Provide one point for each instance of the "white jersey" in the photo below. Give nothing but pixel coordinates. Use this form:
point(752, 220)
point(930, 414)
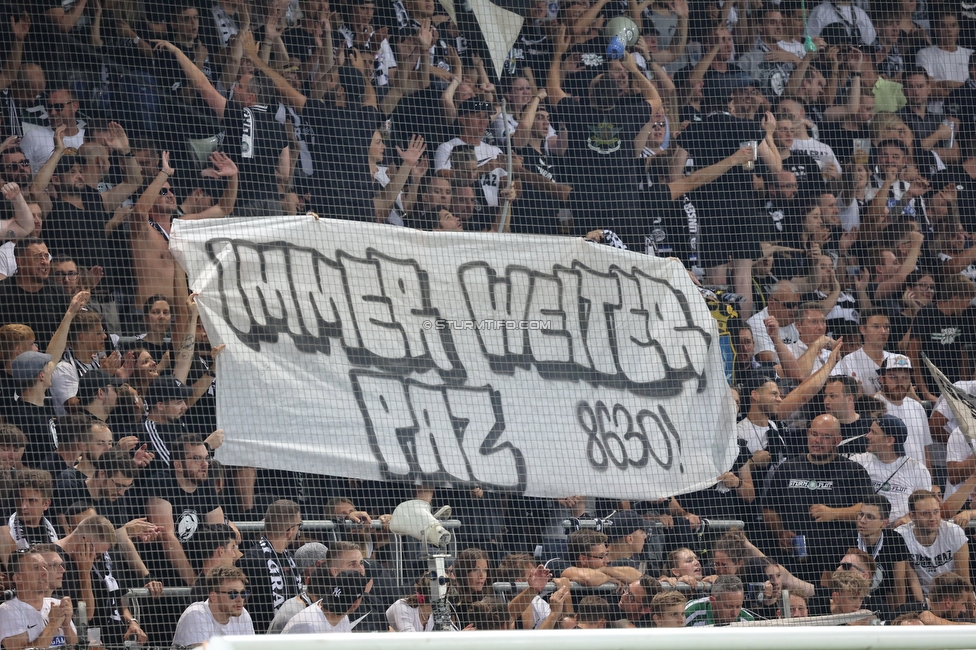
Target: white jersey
point(958, 449)
point(942, 406)
point(817, 150)
point(895, 481)
point(787, 333)
point(17, 617)
point(197, 625)
point(860, 366)
point(930, 561)
point(913, 415)
point(799, 348)
point(312, 620)
point(492, 174)
point(404, 618)
point(828, 13)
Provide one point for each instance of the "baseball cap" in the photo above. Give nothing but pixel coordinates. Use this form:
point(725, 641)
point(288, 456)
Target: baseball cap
point(167, 388)
point(27, 365)
point(894, 427)
point(343, 591)
point(93, 381)
point(895, 362)
point(622, 523)
point(473, 105)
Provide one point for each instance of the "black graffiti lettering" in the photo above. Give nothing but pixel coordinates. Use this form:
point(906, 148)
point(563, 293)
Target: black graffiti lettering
point(620, 329)
point(271, 303)
point(437, 434)
point(604, 444)
point(667, 430)
point(406, 280)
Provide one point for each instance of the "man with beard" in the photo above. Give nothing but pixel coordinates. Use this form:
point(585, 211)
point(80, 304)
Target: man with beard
point(114, 474)
point(270, 566)
point(896, 382)
point(935, 546)
point(818, 496)
point(221, 614)
point(39, 143)
point(894, 474)
point(166, 399)
point(179, 499)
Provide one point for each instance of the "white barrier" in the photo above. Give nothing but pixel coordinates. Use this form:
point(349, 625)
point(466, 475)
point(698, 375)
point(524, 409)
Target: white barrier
point(861, 638)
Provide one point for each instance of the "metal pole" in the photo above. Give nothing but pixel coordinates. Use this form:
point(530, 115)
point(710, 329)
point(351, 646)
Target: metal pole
point(503, 221)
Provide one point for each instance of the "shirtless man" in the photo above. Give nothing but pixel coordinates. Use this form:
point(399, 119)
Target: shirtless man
point(151, 220)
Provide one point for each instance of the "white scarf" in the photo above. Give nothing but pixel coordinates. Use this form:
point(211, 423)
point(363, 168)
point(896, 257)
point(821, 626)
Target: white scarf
point(19, 533)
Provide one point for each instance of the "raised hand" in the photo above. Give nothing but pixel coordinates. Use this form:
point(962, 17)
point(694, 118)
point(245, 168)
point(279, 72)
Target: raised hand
point(10, 143)
point(425, 35)
point(20, 28)
point(223, 166)
point(59, 139)
point(165, 166)
point(215, 439)
point(414, 151)
point(11, 191)
point(78, 301)
point(118, 140)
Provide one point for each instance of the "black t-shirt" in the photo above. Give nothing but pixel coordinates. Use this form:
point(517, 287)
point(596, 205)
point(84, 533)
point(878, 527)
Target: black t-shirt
point(70, 488)
point(808, 176)
point(942, 339)
point(890, 550)
point(600, 163)
point(672, 228)
point(841, 140)
point(856, 433)
point(37, 423)
point(254, 141)
point(190, 509)
point(717, 137)
point(535, 212)
point(339, 143)
point(80, 234)
point(42, 311)
point(262, 569)
point(798, 484)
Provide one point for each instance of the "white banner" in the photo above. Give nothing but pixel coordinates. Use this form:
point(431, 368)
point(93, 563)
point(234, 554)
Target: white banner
point(546, 366)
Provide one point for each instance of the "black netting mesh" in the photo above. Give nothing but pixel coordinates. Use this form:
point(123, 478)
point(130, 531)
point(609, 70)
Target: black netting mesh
point(261, 186)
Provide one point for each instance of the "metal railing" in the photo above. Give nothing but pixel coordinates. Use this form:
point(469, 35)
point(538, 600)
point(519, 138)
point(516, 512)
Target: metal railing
point(713, 524)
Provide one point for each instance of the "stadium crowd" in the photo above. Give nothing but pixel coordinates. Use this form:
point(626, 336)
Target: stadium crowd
point(814, 170)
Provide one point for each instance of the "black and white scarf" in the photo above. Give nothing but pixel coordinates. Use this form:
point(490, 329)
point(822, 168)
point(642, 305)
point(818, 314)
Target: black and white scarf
point(279, 593)
point(19, 532)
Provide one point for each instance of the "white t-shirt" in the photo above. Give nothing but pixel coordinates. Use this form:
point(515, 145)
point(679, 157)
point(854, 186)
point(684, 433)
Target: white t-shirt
point(860, 366)
point(197, 625)
point(756, 437)
point(913, 415)
point(828, 13)
point(930, 561)
point(285, 613)
point(799, 349)
point(958, 449)
point(17, 617)
point(787, 333)
point(8, 265)
point(404, 618)
point(945, 66)
point(895, 481)
point(491, 175)
point(942, 406)
point(311, 620)
point(38, 145)
point(817, 150)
